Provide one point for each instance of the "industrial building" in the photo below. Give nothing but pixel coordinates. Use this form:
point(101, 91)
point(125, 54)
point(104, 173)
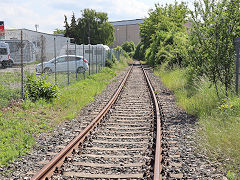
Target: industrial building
point(126, 30)
point(40, 45)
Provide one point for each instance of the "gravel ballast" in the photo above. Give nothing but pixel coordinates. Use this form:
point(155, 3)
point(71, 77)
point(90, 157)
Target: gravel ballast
point(180, 158)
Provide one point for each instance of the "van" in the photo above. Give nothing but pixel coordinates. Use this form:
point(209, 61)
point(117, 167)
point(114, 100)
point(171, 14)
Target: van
point(5, 59)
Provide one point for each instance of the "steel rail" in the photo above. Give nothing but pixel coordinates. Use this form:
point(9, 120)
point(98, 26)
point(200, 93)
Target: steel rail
point(57, 161)
point(158, 148)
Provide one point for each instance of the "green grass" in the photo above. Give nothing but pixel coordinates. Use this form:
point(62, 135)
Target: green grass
point(10, 82)
point(9, 87)
point(218, 132)
point(22, 122)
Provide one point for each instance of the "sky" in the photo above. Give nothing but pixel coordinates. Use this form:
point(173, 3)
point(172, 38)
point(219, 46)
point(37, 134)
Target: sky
point(49, 14)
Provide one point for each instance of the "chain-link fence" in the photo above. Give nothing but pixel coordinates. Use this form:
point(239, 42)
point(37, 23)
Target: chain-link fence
point(68, 63)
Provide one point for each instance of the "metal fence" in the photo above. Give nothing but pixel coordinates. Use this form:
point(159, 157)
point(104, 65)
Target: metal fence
point(63, 69)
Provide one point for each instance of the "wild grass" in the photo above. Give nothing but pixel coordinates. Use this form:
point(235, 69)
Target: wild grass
point(218, 133)
point(21, 122)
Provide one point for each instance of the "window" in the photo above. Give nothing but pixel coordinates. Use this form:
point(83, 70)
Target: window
point(71, 58)
point(61, 59)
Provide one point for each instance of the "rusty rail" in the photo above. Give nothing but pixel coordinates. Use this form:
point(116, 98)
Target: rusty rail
point(49, 168)
point(158, 148)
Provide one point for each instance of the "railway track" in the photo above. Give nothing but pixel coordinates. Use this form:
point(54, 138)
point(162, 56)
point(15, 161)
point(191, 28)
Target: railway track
point(123, 141)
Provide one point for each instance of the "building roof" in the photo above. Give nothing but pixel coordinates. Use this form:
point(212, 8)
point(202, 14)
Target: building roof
point(24, 29)
point(127, 22)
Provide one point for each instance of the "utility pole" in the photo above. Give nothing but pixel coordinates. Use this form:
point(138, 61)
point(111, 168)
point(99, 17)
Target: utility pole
point(36, 26)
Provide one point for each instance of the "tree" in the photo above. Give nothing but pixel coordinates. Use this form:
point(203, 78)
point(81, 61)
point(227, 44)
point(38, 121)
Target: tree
point(215, 26)
point(163, 34)
point(59, 31)
point(92, 27)
point(67, 33)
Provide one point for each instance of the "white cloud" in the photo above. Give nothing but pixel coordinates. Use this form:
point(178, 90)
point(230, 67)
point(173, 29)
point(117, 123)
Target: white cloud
point(130, 8)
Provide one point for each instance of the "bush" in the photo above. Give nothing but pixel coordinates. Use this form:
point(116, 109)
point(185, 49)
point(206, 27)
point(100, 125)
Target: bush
point(37, 88)
point(128, 46)
point(139, 52)
point(109, 63)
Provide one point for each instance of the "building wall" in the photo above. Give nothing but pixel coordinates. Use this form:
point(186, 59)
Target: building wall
point(126, 31)
point(43, 42)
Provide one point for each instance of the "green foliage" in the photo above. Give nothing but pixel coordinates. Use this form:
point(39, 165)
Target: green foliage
point(37, 88)
point(215, 25)
point(8, 91)
point(59, 31)
point(119, 49)
point(231, 175)
point(15, 137)
point(164, 36)
point(109, 63)
point(139, 52)
point(219, 120)
point(129, 47)
point(92, 24)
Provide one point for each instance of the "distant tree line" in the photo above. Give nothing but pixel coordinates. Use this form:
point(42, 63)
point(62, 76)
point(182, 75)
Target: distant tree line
point(92, 27)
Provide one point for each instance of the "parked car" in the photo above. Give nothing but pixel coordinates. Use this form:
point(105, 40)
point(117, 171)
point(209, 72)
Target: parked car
point(5, 59)
point(64, 63)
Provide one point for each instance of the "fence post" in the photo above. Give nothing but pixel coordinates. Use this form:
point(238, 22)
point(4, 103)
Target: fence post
point(103, 56)
point(92, 58)
point(83, 58)
point(111, 54)
point(42, 51)
point(67, 63)
point(89, 59)
point(21, 64)
point(96, 59)
point(55, 61)
point(76, 58)
point(237, 50)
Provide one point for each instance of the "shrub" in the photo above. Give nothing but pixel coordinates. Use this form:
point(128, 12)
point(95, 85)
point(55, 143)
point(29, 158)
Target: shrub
point(109, 63)
point(37, 88)
point(129, 47)
point(139, 52)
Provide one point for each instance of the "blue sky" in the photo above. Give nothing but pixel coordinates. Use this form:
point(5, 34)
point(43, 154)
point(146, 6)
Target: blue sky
point(49, 14)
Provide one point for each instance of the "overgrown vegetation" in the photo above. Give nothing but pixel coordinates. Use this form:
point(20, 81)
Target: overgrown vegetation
point(129, 48)
point(212, 53)
point(197, 63)
point(22, 121)
point(218, 133)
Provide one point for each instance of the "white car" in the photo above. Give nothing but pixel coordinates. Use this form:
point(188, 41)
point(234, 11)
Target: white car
point(5, 59)
point(64, 63)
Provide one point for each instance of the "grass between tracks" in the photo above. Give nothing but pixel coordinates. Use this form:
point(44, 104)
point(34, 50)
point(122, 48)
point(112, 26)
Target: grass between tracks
point(21, 122)
point(218, 132)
